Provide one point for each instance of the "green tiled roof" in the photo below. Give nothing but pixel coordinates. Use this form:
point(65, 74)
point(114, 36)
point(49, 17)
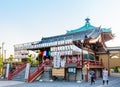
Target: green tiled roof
point(106, 30)
point(81, 33)
point(87, 26)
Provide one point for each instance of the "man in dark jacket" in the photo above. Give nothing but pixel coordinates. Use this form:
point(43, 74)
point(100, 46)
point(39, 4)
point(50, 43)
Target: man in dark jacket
point(92, 75)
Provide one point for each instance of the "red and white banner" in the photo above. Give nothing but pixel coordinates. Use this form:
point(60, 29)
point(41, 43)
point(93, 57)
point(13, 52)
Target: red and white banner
point(56, 61)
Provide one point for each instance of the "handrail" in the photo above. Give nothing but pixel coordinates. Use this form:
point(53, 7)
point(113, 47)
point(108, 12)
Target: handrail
point(33, 75)
point(16, 71)
point(98, 63)
point(79, 63)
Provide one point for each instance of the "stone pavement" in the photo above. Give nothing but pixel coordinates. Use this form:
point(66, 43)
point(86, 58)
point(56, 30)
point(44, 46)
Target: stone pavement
point(113, 82)
point(9, 83)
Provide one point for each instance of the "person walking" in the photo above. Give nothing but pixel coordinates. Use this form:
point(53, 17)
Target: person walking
point(92, 75)
point(105, 76)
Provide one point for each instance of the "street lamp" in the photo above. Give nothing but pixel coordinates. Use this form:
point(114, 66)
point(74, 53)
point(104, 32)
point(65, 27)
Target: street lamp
point(5, 55)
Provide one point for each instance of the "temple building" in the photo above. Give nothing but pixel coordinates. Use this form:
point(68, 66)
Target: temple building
point(70, 56)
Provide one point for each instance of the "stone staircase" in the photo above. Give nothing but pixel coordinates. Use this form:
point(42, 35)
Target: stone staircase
point(46, 75)
point(21, 75)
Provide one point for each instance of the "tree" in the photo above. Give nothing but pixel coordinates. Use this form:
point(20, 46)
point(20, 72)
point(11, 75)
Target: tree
point(116, 69)
point(10, 60)
point(1, 64)
point(39, 58)
point(30, 59)
point(1, 61)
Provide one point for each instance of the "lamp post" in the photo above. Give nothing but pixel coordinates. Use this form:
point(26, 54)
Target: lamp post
point(5, 55)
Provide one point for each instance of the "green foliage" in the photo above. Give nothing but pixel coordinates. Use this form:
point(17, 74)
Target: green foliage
point(1, 63)
point(116, 69)
point(35, 63)
point(10, 59)
point(39, 58)
point(32, 61)
point(29, 60)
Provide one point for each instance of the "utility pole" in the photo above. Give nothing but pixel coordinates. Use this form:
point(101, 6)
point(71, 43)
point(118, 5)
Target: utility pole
point(5, 55)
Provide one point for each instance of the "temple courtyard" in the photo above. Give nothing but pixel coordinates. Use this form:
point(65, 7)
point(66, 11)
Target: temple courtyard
point(114, 81)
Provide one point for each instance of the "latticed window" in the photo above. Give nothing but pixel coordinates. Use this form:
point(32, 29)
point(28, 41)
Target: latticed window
point(88, 56)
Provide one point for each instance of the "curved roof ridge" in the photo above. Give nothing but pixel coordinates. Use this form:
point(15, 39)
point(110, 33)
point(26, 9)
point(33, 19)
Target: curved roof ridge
point(87, 26)
point(106, 30)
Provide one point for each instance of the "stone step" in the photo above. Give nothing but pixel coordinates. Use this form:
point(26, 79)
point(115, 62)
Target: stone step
point(46, 76)
point(21, 75)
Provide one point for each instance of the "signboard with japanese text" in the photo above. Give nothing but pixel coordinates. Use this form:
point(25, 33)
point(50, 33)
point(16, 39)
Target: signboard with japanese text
point(58, 72)
point(72, 70)
point(56, 61)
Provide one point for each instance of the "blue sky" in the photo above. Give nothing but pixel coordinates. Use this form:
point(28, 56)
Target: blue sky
point(24, 21)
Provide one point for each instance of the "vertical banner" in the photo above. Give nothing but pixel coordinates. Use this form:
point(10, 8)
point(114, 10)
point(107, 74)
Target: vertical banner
point(27, 70)
point(7, 70)
point(56, 61)
point(63, 61)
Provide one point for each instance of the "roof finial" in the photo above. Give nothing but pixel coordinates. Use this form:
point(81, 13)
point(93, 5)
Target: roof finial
point(87, 20)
